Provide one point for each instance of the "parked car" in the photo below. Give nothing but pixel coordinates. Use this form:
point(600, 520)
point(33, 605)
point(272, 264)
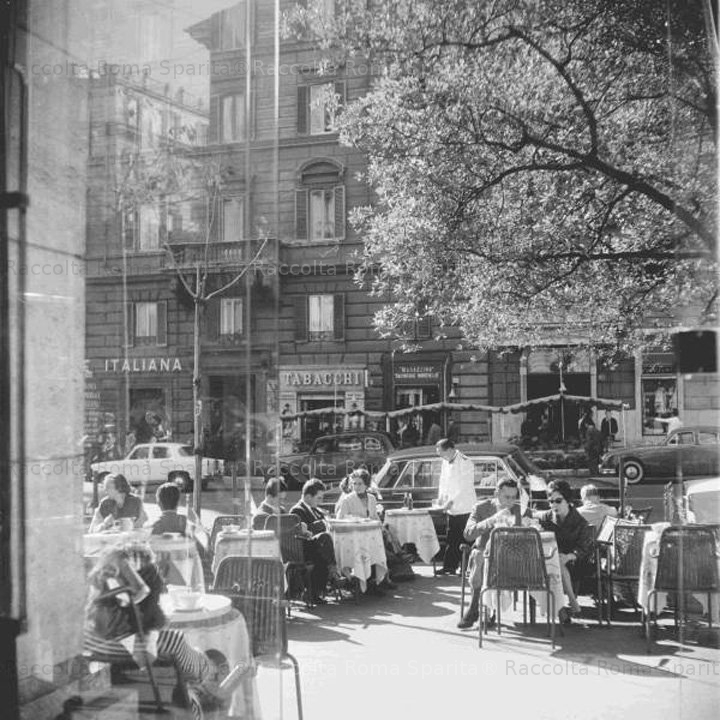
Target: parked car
point(686, 452)
point(332, 457)
point(702, 500)
point(155, 463)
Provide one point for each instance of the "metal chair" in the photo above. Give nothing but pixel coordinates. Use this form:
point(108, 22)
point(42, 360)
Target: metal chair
point(687, 563)
point(625, 558)
point(292, 552)
point(256, 588)
point(515, 562)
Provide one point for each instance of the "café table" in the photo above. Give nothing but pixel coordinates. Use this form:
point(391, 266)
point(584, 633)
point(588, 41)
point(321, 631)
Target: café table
point(416, 527)
point(358, 546)
point(552, 567)
point(216, 625)
point(95, 543)
point(262, 543)
point(648, 571)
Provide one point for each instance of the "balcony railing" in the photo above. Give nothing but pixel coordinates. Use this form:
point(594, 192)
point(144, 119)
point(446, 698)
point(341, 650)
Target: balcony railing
point(214, 254)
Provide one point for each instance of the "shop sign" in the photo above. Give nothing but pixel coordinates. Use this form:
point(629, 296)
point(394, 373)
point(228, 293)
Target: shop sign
point(658, 364)
point(328, 378)
point(417, 373)
point(118, 365)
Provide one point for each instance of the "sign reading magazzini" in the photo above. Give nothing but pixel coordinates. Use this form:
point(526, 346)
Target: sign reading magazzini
point(417, 373)
point(118, 365)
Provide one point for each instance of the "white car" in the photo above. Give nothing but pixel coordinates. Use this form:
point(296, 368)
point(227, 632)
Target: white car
point(159, 462)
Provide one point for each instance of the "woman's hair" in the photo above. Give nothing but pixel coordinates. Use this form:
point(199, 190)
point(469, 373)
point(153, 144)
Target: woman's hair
point(120, 482)
point(562, 487)
point(361, 474)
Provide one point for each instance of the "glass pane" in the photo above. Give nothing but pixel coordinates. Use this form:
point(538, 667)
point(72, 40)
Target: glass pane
point(707, 438)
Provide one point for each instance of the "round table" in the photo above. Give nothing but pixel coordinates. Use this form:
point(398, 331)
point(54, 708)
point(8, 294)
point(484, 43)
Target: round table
point(358, 546)
point(216, 625)
point(264, 543)
point(416, 527)
point(178, 560)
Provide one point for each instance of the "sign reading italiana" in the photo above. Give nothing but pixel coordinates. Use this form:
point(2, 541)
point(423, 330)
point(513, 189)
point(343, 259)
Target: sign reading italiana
point(119, 365)
point(323, 378)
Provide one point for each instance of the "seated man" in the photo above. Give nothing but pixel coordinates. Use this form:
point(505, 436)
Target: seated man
point(167, 497)
point(574, 539)
point(592, 509)
point(319, 546)
point(275, 494)
point(504, 510)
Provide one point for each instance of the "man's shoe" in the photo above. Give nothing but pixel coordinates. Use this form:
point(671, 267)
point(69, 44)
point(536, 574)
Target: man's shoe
point(446, 571)
point(468, 620)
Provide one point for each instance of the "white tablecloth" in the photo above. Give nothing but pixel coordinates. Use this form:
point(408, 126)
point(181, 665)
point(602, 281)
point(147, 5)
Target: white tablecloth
point(552, 566)
point(416, 527)
point(264, 544)
point(217, 626)
point(648, 571)
point(359, 546)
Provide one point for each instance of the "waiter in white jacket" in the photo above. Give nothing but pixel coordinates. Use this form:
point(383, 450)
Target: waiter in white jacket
point(456, 495)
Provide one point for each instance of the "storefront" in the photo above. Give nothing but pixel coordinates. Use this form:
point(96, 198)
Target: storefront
point(304, 387)
point(659, 394)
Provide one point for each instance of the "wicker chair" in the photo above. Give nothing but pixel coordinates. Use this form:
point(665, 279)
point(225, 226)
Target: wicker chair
point(687, 563)
point(515, 562)
point(623, 571)
point(292, 551)
point(255, 587)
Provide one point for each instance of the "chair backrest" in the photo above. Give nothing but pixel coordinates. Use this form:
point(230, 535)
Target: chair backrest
point(628, 539)
point(222, 521)
point(606, 530)
point(256, 588)
point(687, 559)
point(643, 514)
point(516, 559)
point(287, 528)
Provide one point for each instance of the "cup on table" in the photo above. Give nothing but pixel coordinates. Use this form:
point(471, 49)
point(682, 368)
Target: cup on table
point(124, 524)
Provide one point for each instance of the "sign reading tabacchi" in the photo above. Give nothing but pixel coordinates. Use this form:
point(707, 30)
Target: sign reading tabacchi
point(353, 377)
point(143, 365)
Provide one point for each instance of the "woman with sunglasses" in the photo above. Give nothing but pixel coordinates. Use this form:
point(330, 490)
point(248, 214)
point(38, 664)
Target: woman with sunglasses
point(574, 539)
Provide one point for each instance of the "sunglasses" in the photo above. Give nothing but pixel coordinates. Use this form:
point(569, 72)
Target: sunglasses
point(556, 501)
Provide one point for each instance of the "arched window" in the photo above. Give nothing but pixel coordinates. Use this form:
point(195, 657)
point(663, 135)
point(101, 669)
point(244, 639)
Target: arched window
point(320, 202)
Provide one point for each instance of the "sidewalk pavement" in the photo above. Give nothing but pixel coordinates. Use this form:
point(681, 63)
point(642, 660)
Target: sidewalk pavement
point(402, 655)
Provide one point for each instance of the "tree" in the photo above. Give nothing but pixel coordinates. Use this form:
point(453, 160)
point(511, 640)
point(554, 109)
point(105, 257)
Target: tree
point(166, 181)
point(539, 165)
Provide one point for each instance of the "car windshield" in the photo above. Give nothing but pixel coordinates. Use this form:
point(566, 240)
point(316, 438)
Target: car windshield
point(185, 450)
point(388, 473)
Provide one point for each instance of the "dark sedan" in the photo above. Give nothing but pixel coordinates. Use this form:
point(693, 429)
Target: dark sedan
point(686, 452)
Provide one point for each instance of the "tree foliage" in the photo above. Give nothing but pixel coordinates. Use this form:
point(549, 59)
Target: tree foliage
point(539, 165)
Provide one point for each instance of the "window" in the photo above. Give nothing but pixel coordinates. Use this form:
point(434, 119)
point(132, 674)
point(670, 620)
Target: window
point(150, 125)
point(320, 317)
point(140, 453)
point(233, 218)
point(151, 227)
point(707, 438)
point(160, 453)
point(231, 316)
point(316, 105)
point(659, 398)
point(227, 113)
point(320, 214)
point(149, 323)
point(229, 27)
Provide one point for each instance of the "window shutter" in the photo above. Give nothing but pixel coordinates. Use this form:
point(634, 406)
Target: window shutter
point(215, 120)
point(339, 317)
point(339, 212)
point(162, 322)
point(423, 327)
point(340, 92)
point(301, 214)
point(301, 319)
point(130, 324)
point(212, 319)
point(303, 109)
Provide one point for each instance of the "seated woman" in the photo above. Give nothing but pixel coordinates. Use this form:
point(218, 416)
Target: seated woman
point(111, 629)
point(574, 539)
point(119, 503)
point(360, 503)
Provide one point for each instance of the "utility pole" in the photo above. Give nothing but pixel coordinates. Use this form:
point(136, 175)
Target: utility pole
point(197, 402)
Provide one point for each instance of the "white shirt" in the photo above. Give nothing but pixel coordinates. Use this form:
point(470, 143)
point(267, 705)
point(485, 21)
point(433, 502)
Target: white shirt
point(457, 483)
point(671, 423)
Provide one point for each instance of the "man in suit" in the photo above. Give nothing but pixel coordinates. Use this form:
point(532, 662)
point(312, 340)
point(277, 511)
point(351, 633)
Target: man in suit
point(319, 547)
point(503, 509)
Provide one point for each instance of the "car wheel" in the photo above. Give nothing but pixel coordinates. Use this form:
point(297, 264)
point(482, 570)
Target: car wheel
point(633, 470)
point(182, 480)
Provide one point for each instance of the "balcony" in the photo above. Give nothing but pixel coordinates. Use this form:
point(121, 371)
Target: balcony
point(220, 255)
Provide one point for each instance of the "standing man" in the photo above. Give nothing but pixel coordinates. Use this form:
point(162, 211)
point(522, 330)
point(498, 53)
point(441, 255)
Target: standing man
point(456, 495)
point(608, 430)
point(671, 423)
